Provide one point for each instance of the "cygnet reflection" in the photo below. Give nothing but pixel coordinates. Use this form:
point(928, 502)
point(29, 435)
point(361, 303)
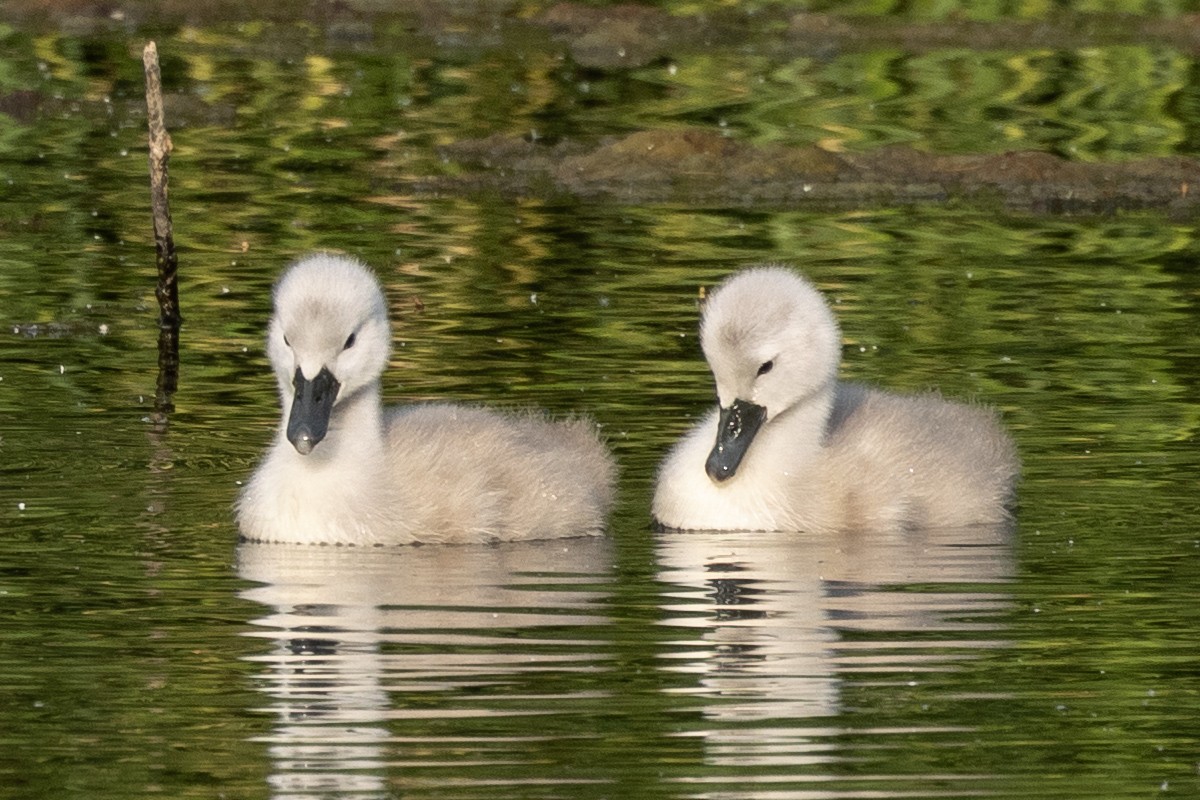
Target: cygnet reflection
point(355, 633)
point(770, 622)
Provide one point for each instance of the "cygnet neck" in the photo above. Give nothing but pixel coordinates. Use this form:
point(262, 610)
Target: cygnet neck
point(801, 428)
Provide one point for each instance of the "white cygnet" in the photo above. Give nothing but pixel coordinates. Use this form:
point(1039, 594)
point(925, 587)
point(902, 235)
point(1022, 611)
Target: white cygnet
point(344, 470)
point(790, 447)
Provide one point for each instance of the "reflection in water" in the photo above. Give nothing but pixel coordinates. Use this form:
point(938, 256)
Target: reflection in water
point(774, 625)
point(373, 647)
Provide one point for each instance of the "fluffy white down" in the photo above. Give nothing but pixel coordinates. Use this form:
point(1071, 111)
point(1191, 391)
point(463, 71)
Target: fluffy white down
point(412, 474)
point(830, 455)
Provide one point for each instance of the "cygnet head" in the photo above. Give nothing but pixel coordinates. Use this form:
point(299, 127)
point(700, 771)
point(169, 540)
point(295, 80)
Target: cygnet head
point(772, 343)
point(329, 338)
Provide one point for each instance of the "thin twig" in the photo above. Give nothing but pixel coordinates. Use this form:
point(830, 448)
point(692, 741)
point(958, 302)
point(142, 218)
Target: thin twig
point(160, 152)
point(167, 290)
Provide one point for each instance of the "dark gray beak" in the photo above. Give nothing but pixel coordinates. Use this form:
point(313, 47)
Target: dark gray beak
point(311, 408)
point(735, 430)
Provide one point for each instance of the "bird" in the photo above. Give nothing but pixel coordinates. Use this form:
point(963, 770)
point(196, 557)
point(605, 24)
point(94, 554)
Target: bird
point(790, 447)
point(345, 470)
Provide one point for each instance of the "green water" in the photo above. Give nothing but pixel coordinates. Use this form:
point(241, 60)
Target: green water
point(143, 652)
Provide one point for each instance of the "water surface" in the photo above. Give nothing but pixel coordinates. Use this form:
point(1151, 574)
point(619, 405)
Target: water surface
point(145, 652)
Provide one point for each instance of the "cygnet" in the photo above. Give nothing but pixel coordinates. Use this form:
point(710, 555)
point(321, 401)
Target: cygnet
point(345, 470)
point(790, 447)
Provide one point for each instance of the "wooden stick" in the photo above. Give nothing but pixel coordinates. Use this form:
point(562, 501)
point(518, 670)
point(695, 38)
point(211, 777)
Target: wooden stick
point(160, 151)
point(167, 290)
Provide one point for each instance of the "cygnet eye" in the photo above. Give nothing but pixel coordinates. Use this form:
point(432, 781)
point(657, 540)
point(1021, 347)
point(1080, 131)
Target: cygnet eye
point(285, 340)
point(350, 340)
point(766, 367)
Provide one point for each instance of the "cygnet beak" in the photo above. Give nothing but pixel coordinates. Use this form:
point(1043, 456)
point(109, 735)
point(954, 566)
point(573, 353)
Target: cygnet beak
point(735, 430)
point(311, 408)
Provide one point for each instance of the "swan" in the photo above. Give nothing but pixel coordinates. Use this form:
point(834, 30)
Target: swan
point(345, 470)
point(790, 447)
